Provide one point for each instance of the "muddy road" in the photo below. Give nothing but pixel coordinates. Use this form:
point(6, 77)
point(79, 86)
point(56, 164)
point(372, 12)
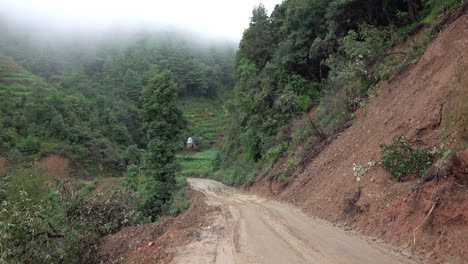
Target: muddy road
point(249, 229)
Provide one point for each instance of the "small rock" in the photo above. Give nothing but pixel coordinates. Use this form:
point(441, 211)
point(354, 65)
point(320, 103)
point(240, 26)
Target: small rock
point(150, 244)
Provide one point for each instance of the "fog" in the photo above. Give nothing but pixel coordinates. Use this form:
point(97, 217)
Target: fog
point(218, 19)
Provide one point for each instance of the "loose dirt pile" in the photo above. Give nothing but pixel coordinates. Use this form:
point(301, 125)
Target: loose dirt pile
point(157, 242)
point(409, 105)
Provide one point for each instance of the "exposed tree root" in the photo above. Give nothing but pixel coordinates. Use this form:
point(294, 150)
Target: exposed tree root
point(425, 218)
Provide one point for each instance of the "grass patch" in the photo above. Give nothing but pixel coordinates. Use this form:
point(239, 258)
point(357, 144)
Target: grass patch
point(198, 165)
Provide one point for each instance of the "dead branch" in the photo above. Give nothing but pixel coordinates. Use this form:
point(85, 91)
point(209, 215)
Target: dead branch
point(318, 132)
point(48, 223)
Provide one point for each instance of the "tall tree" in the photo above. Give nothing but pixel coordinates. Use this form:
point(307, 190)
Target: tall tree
point(257, 43)
point(163, 123)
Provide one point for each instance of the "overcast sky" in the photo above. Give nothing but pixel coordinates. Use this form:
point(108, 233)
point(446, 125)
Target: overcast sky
point(217, 18)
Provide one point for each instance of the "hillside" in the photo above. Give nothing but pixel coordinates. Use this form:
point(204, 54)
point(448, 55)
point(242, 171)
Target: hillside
point(17, 88)
point(15, 81)
point(423, 103)
point(38, 118)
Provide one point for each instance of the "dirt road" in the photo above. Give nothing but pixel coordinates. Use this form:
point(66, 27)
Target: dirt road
point(249, 229)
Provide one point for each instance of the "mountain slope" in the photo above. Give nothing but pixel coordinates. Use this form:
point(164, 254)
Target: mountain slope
point(15, 81)
point(411, 105)
point(37, 118)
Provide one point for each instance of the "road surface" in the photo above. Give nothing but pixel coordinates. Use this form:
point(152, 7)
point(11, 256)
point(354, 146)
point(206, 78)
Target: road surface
point(249, 229)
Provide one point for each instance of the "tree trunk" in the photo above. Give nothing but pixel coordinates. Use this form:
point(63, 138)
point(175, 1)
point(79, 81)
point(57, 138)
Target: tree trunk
point(318, 132)
point(411, 11)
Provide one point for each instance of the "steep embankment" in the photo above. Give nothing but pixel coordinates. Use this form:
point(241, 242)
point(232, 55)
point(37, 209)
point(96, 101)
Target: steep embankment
point(412, 104)
point(157, 242)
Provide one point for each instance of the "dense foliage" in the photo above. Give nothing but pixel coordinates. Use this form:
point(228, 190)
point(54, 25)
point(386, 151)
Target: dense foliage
point(164, 124)
point(80, 97)
point(51, 223)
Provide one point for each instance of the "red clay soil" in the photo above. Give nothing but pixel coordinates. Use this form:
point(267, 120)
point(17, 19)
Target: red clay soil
point(2, 164)
point(157, 242)
point(56, 166)
point(409, 105)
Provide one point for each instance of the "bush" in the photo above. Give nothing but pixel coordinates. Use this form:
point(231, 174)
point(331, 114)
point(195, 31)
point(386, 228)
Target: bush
point(30, 145)
point(104, 214)
point(153, 198)
point(400, 159)
point(45, 223)
point(179, 203)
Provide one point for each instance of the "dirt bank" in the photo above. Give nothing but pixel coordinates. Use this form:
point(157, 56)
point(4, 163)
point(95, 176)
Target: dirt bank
point(56, 165)
point(156, 242)
point(2, 164)
point(410, 105)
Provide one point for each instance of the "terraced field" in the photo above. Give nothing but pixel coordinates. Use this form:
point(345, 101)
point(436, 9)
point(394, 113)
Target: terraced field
point(15, 82)
point(205, 116)
point(206, 120)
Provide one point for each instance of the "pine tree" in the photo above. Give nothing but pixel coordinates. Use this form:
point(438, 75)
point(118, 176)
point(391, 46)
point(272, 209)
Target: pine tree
point(163, 123)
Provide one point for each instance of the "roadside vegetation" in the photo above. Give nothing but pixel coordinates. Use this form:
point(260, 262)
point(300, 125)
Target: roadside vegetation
point(50, 222)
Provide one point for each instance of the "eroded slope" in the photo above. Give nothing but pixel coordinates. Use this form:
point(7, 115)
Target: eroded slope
point(410, 105)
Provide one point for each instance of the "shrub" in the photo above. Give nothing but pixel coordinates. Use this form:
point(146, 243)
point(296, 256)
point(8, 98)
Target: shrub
point(30, 145)
point(400, 159)
point(179, 203)
point(103, 214)
point(45, 223)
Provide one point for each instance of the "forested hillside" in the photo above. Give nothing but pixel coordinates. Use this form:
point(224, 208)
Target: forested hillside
point(319, 55)
point(87, 92)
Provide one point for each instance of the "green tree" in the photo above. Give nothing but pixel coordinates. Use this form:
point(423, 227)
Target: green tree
point(163, 123)
point(257, 43)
